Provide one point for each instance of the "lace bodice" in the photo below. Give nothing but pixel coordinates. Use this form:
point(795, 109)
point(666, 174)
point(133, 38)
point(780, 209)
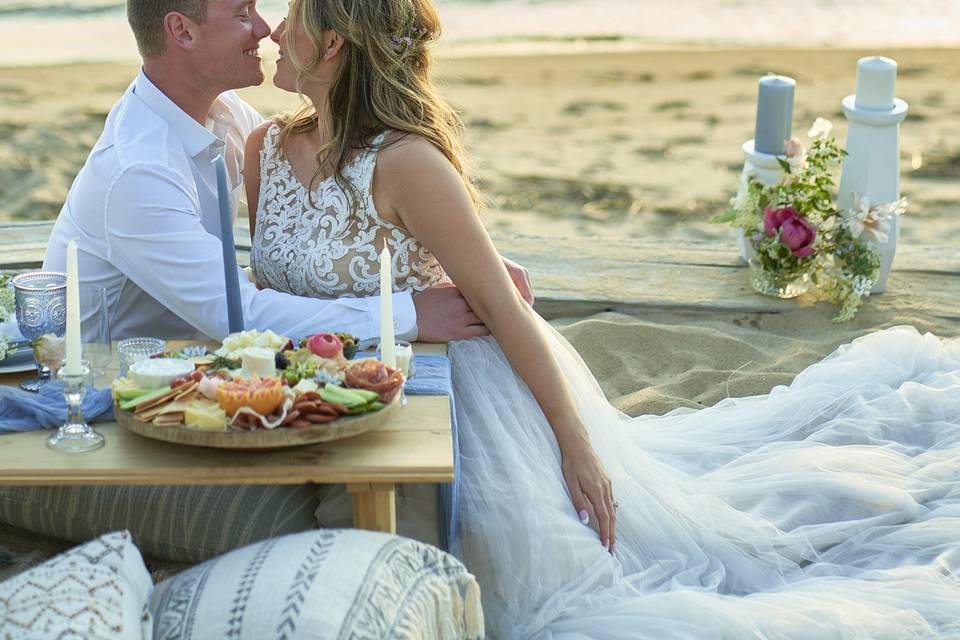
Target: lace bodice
point(317, 247)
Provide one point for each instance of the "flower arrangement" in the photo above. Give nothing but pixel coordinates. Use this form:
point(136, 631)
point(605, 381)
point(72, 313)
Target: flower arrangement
point(802, 240)
point(6, 311)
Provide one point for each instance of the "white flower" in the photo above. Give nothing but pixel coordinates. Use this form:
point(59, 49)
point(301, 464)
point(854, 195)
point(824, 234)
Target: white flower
point(872, 223)
point(821, 128)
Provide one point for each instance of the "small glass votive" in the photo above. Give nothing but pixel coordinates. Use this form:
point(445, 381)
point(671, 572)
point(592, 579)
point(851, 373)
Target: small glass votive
point(131, 350)
point(404, 351)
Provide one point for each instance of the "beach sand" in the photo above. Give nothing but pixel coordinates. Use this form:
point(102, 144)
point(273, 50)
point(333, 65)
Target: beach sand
point(585, 141)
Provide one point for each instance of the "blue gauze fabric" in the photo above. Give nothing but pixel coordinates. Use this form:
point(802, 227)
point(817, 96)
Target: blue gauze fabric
point(24, 411)
point(431, 377)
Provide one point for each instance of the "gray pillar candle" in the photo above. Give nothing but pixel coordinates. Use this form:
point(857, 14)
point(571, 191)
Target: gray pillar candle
point(774, 114)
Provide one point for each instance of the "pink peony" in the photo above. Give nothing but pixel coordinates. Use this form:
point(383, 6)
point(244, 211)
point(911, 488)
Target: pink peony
point(798, 235)
point(773, 219)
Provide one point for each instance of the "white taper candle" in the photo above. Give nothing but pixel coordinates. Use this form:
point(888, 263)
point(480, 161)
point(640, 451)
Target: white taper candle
point(73, 365)
point(388, 352)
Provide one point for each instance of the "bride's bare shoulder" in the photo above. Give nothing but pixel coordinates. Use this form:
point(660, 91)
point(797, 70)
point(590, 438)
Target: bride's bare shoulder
point(255, 139)
point(402, 148)
point(403, 155)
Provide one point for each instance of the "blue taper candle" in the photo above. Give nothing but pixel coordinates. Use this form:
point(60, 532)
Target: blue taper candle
point(230, 272)
point(774, 114)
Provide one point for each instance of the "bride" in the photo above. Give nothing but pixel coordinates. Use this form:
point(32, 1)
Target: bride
point(829, 509)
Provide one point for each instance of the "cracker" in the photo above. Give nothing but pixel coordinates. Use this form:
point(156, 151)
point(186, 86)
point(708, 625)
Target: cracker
point(173, 394)
point(172, 419)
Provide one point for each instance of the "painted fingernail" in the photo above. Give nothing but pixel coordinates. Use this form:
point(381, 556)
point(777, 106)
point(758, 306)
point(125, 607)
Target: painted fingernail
point(584, 516)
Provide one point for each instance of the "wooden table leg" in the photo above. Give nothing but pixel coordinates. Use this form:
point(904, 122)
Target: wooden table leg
point(374, 506)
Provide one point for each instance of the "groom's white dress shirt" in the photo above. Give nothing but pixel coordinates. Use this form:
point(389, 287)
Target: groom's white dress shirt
point(145, 215)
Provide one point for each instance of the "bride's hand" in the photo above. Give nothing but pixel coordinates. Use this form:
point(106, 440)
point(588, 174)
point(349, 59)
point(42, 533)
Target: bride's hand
point(589, 486)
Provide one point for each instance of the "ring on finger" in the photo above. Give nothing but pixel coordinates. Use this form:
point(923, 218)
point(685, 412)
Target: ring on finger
point(616, 505)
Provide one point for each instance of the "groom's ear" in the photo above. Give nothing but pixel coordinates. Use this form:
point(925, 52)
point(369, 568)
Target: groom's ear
point(333, 43)
point(179, 30)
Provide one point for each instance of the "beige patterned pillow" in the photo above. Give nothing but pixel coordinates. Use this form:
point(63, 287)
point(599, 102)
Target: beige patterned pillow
point(98, 590)
point(327, 584)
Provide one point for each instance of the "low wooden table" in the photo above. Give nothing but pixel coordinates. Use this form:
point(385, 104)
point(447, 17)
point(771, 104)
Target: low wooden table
point(416, 446)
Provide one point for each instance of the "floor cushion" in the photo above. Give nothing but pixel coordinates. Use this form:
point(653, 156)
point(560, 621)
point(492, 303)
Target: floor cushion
point(97, 591)
point(173, 523)
point(324, 584)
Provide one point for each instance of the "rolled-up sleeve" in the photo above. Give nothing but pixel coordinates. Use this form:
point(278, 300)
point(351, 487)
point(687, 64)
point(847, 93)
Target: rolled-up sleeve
point(154, 236)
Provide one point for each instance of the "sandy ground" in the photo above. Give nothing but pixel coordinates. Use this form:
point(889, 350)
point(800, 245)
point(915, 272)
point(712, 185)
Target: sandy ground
point(634, 143)
point(641, 143)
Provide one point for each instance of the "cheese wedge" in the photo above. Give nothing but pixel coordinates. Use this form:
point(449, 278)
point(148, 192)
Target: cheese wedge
point(258, 361)
point(205, 416)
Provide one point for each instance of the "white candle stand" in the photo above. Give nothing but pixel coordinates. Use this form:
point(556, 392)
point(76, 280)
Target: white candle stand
point(872, 168)
point(766, 168)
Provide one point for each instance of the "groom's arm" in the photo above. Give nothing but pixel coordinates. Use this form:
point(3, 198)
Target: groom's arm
point(155, 237)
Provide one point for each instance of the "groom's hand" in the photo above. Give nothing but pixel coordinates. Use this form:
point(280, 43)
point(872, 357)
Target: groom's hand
point(443, 315)
point(521, 279)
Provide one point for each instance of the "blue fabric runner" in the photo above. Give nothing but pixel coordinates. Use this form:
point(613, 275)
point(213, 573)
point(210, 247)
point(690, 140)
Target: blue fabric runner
point(24, 411)
point(431, 377)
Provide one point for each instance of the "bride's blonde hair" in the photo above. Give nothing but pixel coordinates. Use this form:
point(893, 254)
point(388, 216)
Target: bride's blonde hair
point(383, 82)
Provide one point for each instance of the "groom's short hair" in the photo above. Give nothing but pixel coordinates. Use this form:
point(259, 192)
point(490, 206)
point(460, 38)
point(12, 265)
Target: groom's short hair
point(146, 20)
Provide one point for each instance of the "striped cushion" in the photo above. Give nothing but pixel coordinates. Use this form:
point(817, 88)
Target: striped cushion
point(179, 524)
point(328, 584)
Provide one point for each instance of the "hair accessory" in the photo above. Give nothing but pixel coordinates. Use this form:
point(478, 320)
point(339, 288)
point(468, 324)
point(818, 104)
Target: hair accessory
point(401, 44)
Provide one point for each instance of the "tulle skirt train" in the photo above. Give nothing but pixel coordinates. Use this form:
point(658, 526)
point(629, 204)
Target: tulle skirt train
point(826, 509)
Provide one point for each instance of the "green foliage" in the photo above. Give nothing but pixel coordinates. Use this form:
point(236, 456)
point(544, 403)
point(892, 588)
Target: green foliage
point(6, 299)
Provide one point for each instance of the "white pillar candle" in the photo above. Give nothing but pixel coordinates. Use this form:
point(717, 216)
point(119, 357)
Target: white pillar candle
point(876, 83)
point(388, 353)
point(73, 365)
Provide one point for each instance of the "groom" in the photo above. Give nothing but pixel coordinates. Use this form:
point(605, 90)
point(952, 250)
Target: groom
point(144, 207)
point(144, 212)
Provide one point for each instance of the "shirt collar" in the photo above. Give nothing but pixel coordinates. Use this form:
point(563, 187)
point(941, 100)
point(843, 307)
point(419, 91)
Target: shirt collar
point(195, 137)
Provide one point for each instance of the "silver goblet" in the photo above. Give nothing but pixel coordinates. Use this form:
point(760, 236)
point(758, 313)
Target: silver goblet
point(41, 305)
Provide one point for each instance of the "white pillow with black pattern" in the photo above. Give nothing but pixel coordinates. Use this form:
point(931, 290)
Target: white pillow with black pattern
point(98, 590)
point(330, 583)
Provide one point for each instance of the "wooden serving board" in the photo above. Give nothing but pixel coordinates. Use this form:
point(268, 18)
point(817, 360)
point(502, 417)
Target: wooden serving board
point(262, 438)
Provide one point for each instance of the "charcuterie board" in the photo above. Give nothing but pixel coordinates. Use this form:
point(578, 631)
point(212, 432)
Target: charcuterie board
point(257, 391)
point(233, 438)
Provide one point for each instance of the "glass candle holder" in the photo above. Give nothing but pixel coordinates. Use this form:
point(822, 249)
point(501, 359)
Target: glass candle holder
point(404, 351)
point(131, 350)
point(75, 436)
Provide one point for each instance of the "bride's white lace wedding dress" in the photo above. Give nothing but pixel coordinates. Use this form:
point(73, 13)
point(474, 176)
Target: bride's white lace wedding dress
point(826, 509)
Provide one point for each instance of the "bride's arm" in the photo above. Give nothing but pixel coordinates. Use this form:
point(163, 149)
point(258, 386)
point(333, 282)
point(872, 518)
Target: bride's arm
point(416, 183)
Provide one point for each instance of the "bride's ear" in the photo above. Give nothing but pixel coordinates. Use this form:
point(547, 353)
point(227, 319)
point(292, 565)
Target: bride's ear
point(179, 30)
point(333, 43)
